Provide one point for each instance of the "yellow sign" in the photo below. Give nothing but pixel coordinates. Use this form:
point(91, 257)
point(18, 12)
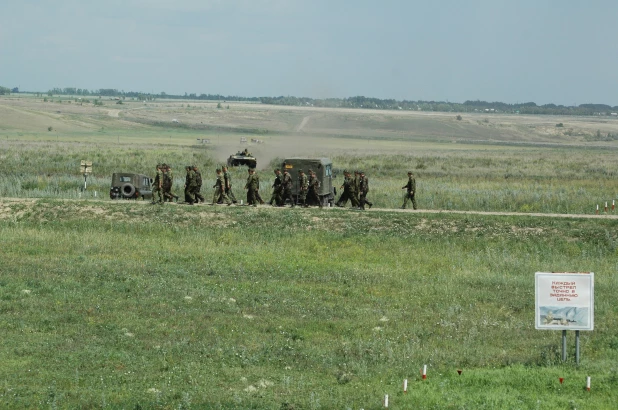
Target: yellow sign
point(289, 166)
point(86, 167)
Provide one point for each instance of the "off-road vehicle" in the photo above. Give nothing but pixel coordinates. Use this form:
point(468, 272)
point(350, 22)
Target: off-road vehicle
point(242, 158)
point(127, 185)
point(323, 168)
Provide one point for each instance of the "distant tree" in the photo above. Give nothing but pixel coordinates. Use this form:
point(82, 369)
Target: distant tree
point(458, 117)
point(219, 105)
point(49, 128)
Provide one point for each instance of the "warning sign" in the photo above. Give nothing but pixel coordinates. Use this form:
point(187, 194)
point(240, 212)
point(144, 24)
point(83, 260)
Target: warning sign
point(564, 301)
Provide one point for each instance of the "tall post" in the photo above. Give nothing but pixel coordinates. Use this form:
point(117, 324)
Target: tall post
point(577, 347)
point(564, 346)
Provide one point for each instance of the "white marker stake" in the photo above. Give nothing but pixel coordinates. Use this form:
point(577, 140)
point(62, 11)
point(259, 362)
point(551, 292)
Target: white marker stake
point(386, 401)
point(605, 206)
point(424, 372)
point(597, 209)
point(405, 385)
point(588, 383)
point(613, 204)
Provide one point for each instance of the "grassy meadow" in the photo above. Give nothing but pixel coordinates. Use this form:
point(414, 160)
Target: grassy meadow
point(123, 305)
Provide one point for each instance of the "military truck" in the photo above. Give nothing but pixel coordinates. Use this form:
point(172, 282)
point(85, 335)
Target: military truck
point(323, 168)
point(127, 185)
point(242, 158)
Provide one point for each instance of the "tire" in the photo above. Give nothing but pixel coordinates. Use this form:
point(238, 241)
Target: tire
point(128, 190)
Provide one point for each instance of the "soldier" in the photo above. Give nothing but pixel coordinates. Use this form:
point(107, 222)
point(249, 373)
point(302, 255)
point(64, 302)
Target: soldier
point(411, 191)
point(220, 189)
point(286, 184)
point(314, 188)
point(252, 187)
point(357, 186)
point(157, 185)
point(168, 181)
point(303, 188)
point(275, 198)
point(227, 179)
point(258, 197)
point(198, 185)
point(363, 189)
point(348, 191)
point(190, 185)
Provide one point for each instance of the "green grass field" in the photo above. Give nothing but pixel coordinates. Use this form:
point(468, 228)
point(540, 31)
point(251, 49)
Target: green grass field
point(123, 305)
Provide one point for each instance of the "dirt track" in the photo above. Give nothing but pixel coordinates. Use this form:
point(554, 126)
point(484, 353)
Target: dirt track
point(6, 209)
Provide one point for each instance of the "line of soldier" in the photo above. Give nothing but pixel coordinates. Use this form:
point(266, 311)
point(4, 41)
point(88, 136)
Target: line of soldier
point(355, 189)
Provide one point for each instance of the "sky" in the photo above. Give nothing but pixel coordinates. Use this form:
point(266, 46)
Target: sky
point(542, 51)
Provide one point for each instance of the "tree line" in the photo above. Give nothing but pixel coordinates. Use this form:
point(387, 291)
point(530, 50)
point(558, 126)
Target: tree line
point(354, 102)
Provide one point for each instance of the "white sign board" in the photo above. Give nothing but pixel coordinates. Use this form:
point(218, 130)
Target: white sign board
point(564, 301)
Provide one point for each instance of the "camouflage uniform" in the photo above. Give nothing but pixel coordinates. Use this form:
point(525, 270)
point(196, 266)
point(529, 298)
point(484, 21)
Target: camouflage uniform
point(363, 190)
point(198, 185)
point(190, 184)
point(348, 191)
point(303, 188)
point(252, 187)
point(411, 191)
point(157, 185)
point(227, 179)
point(168, 181)
point(314, 190)
point(357, 186)
point(286, 185)
point(220, 189)
point(277, 194)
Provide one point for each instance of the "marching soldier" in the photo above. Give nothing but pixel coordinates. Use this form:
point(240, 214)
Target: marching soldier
point(190, 185)
point(356, 186)
point(411, 191)
point(314, 189)
point(348, 191)
point(363, 190)
point(303, 187)
point(198, 185)
point(286, 185)
point(168, 182)
point(220, 189)
point(276, 196)
point(227, 179)
point(252, 187)
point(158, 185)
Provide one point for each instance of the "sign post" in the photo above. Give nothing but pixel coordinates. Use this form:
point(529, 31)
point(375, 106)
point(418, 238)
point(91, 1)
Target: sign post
point(86, 168)
point(565, 301)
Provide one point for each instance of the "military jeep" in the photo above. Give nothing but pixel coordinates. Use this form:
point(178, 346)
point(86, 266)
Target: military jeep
point(127, 185)
point(323, 168)
point(242, 158)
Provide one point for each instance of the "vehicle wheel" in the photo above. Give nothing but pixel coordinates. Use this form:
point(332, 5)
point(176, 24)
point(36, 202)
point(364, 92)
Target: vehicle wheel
point(128, 190)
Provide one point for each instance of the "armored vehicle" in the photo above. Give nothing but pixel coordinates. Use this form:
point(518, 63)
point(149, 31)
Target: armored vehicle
point(323, 168)
point(242, 158)
point(127, 185)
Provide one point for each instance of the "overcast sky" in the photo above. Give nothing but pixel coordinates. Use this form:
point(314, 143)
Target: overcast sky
point(561, 51)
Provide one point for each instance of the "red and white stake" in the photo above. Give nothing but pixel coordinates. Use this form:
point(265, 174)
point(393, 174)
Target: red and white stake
point(613, 204)
point(606, 206)
point(386, 401)
point(588, 383)
point(561, 379)
point(424, 371)
point(405, 385)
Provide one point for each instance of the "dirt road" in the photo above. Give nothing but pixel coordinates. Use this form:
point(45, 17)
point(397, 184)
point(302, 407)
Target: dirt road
point(7, 208)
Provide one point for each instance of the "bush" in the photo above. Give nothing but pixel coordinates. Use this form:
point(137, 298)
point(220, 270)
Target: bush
point(560, 125)
point(458, 118)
